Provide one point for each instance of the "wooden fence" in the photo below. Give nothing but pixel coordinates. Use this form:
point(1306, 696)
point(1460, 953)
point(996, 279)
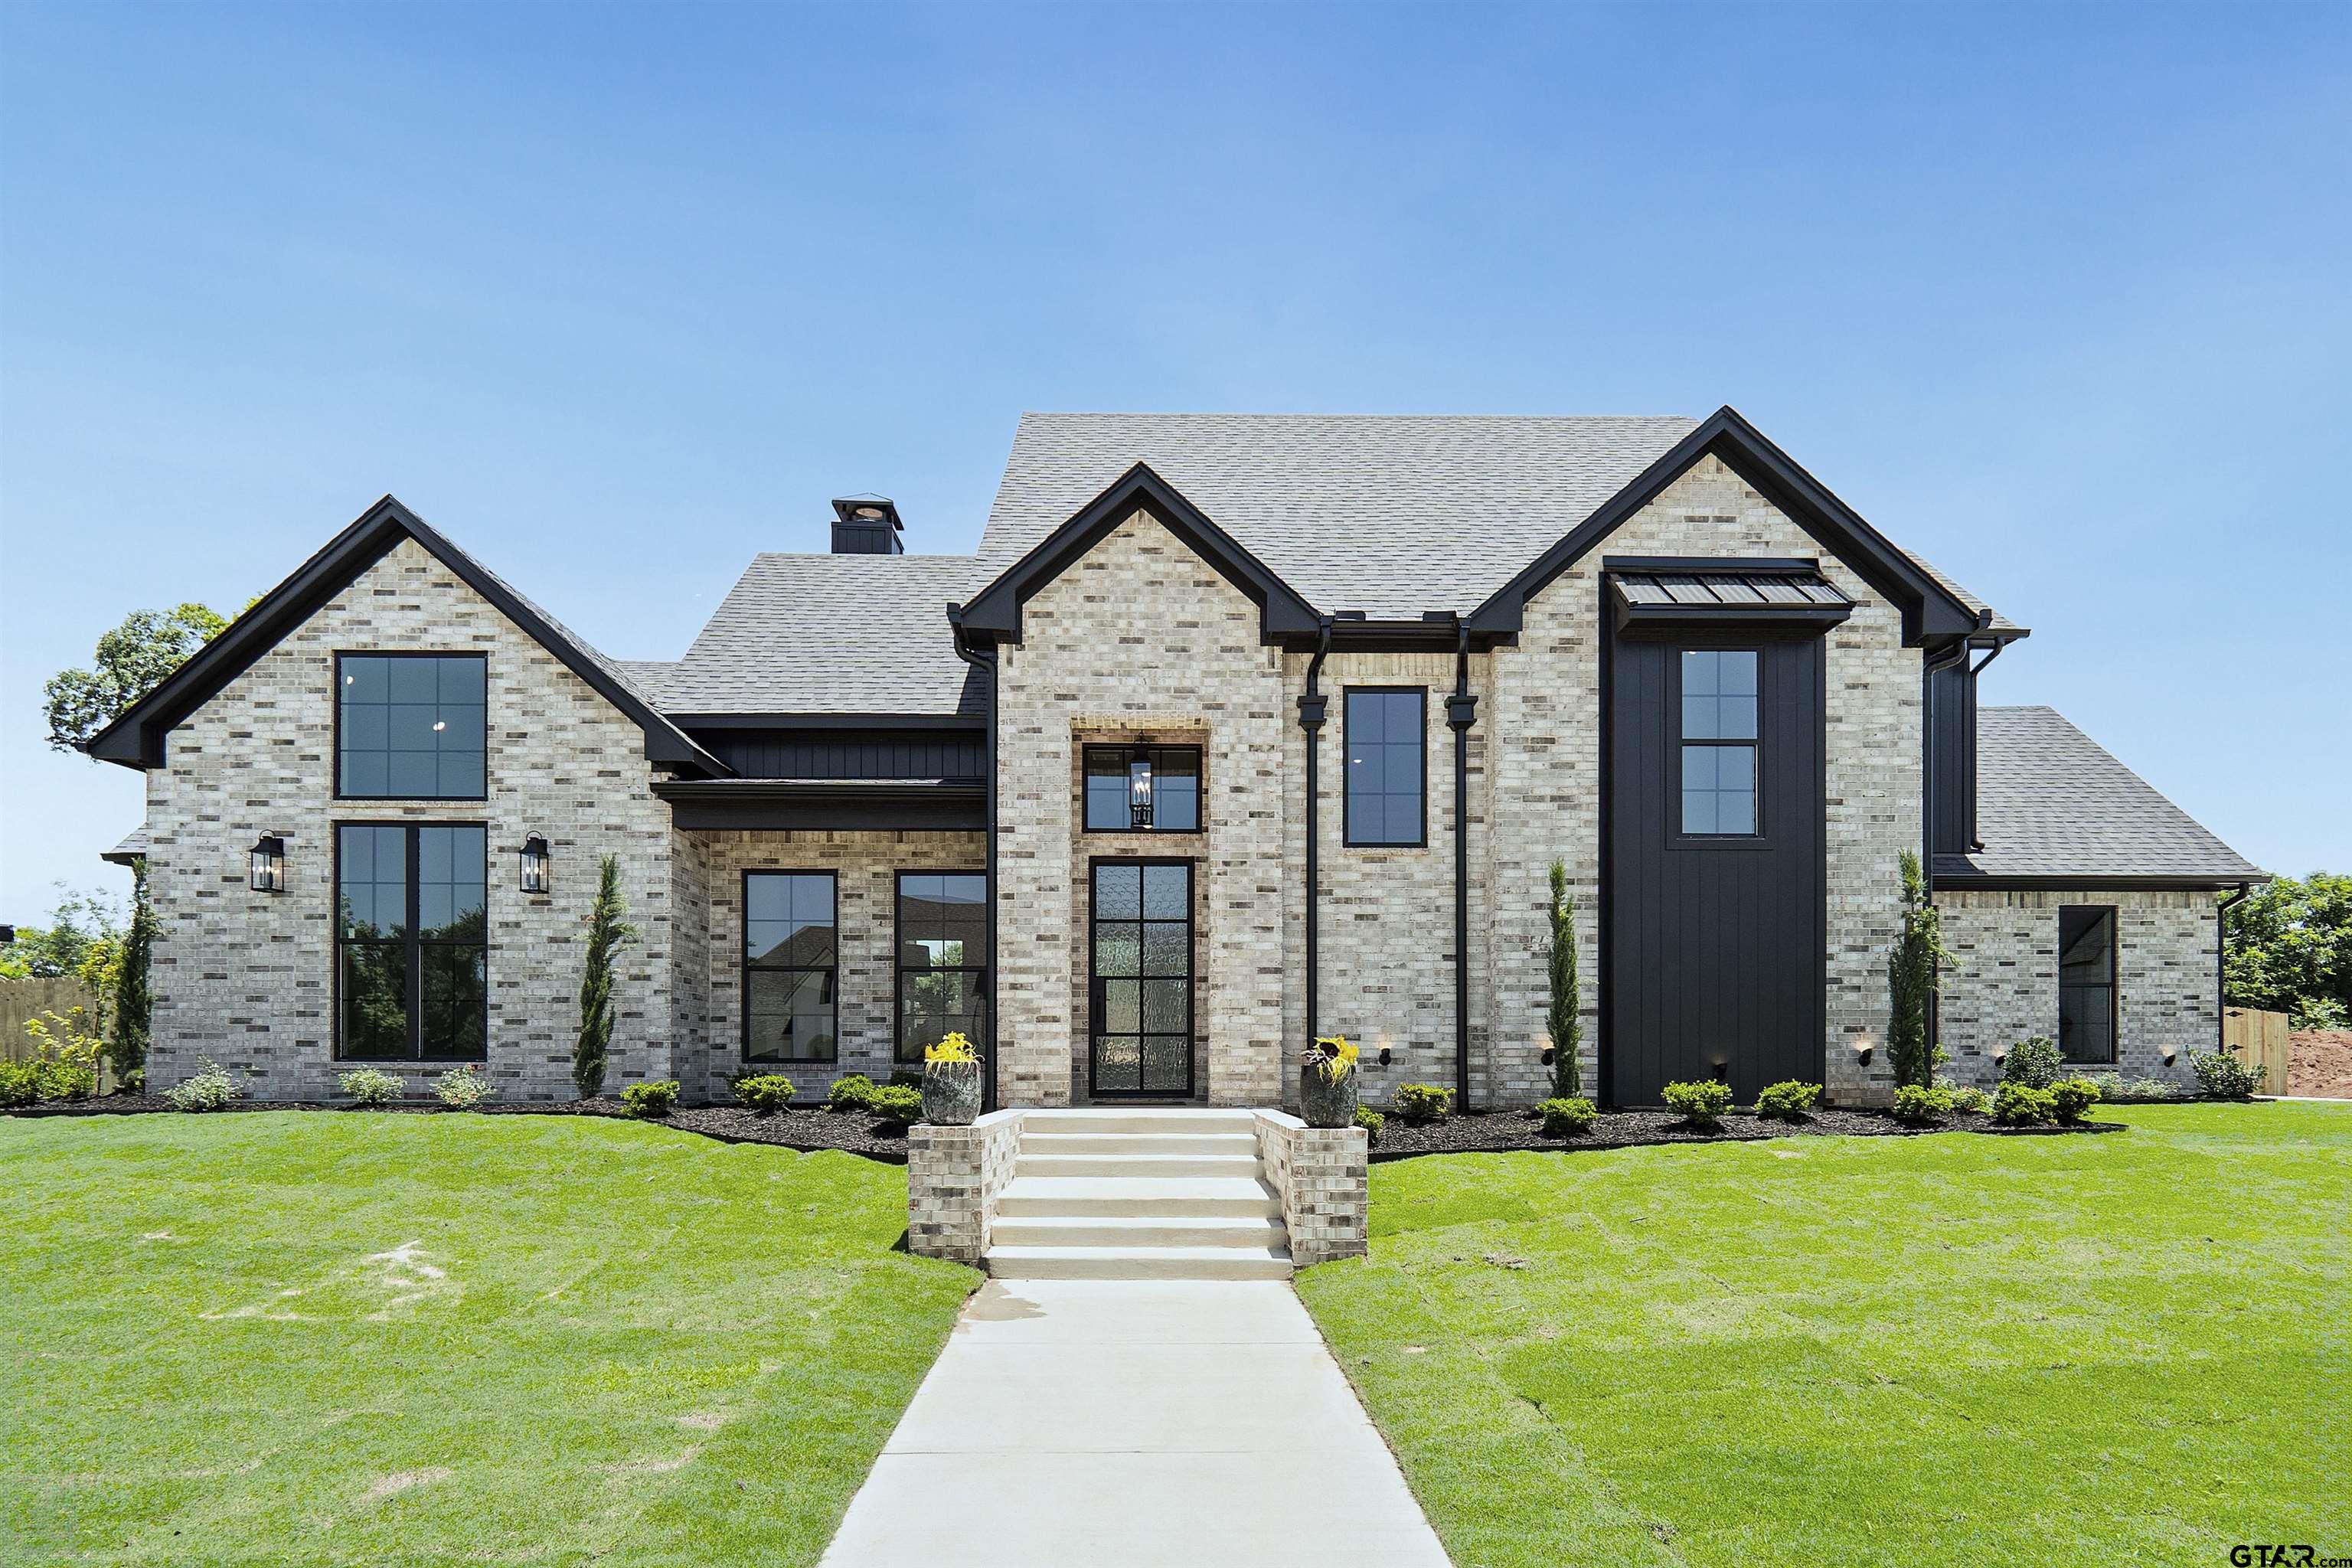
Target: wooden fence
point(2259, 1039)
point(21, 1000)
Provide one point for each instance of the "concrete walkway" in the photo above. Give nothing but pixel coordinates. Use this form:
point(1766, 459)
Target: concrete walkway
point(1119, 1424)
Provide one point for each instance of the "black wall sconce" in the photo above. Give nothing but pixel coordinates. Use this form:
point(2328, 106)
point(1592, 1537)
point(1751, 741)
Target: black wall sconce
point(534, 864)
point(267, 872)
point(1862, 1049)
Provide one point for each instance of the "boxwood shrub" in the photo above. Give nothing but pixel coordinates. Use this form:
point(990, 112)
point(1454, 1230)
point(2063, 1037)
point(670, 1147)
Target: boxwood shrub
point(1788, 1101)
point(1571, 1117)
point(898, 1102)
point(2070, 1097)
point(368, 1086)
point(2018, 1105)
point(1372, 1121)
point(1417, 1103)
point(2223, 1076)
point(851, 1091)
point(1702, 1103)
point(656, 1096)
point(2034, 1062)
point(763, 1092)
point(1919, 1105)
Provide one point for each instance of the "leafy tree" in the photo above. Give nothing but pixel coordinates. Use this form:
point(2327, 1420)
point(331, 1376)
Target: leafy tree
point(606, 932)
point(2288, 949)
point(1566, 1024)
point(63, 947)
point(1911, 980)
point(132, 661)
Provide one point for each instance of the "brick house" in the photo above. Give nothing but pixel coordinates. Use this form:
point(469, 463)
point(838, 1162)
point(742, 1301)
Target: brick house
point(1234, 730)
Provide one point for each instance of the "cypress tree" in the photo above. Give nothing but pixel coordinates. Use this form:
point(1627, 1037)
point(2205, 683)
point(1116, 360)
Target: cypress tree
point(1911, 981)
point(1567, 1025)
point(133, 1009)
point(606, 932)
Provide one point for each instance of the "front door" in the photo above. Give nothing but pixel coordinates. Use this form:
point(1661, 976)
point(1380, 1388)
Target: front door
point(1140, 980)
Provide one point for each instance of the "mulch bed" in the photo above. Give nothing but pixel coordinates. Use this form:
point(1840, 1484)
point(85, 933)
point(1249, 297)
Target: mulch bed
point(808, 1132)
point(1505, 1132)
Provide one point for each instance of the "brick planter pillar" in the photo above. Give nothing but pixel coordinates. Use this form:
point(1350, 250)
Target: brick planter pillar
point(1322, 1175)
point(953, 1174)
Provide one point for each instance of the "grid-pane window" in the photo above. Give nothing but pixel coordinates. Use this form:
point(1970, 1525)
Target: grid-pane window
point(791, 967)
point(1154, 789)
point(942, 960)
point(2086, 984)
point(1387, 771)
point(410, 726)
point(411, 949)
point(1719, 741)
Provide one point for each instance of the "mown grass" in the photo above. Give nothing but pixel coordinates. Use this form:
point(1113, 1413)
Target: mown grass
point(2126, 1348)
point(385, 1338)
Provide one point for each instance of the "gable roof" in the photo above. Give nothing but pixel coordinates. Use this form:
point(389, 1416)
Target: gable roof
point(2055, 808)
point(136, 738)
point(829, 634)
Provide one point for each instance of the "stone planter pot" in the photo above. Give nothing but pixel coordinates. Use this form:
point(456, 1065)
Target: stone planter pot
point(1322, 1103)
point(951, 1094)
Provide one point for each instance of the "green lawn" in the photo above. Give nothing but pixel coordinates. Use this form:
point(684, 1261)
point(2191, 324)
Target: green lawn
point(304, 1338)
point(2129, 1348)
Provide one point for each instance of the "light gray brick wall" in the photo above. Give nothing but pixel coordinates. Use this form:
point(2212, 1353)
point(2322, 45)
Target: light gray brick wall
point(2004, 985)
point(1544, 710)
point(865, 866)
point(246, 978)
point(1322, 1176)
point(953, 1177)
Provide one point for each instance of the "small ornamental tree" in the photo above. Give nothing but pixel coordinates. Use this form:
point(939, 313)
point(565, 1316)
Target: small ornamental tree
point(1567, 1026)
point(606, 932)
point(126, 1047)
point(1911, 980)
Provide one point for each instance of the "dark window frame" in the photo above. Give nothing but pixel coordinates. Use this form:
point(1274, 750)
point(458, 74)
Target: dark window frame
point(744, 967)
point(2113, 916)
point(1679, 837)
point(1086, 750)
point(413, 944)
point(1348, 695)
point(899, 969)
point(335, 757)
point(1192, 896)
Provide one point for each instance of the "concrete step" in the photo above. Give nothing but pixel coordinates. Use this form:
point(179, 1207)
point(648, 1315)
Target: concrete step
point(1139, 1262)
point(1106, 1197)
point(1155, 1166)
point(1036, 1143)
point(1129, 1230)
point(1142, 1118)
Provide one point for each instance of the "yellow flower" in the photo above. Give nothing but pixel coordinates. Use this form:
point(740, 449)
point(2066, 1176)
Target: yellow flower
point(953, 1048)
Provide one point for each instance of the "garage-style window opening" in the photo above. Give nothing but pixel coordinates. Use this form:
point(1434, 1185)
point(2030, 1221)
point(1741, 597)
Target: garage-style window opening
point(1718, 741)
point(412, 952)
point(1387, 766)
point(410, 726)
point(942, 960)
point(791, 967)
point(2086, 984)
point(1143, 789)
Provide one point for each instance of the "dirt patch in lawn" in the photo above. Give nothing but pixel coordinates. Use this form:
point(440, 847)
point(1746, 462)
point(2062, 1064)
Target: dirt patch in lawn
point(1501, 1131)
point(2319, 1063)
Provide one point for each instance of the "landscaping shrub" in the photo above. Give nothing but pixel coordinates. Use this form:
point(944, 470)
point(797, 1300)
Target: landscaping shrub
point(656, 1096)
point(1372, 1121)
point(764, 1092)
point(1702, 1104)
point(209, 1088)
point(898, 1102)
point(1911, 969)
point(370, 1087)
point(1788, 1101)
point(462, 1089)
point(606, 932)
point(1565, 1017)
point(2035, 1063)
point(2020, 1105)
point(1567, 1116)
point(2116, 1089)
point(2223, 1076)
point(1919, 1104)
point(1974, 1100)
point(20, 1083)
point(2070, 1097)
point(1417, 1103)
point(851, 1091)
point(904, 1079)
point(65, 1059)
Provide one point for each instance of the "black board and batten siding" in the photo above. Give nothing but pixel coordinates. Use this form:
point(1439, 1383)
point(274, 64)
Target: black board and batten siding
point(851, 753)
point(1716, 948)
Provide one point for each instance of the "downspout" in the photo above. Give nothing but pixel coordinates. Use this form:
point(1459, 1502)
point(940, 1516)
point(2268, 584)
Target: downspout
point(1460, 712)
point(1311, 705)
point(1934, 664)
point(2222, 972)
point(986, 662)
point(1975, 671)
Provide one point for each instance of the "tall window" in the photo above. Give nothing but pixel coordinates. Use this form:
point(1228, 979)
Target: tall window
point(410, 726)
point(2086, 984)
point(1718, 741)
point(412, 942)
point(942, 959)
point(1387, 765)
point(791, 967)
point(1154, 789)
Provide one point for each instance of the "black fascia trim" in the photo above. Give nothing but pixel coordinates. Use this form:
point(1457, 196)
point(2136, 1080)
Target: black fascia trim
point(1765, 566)
point(1666, 619)
point(1421, 636)
point(995, 611)
point(1928, 608)
point(136, 738)
point(785, 721)
point(2087, 882)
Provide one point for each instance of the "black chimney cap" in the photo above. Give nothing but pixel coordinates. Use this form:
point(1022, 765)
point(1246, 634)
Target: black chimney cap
point(866, 525)
point(866, 508)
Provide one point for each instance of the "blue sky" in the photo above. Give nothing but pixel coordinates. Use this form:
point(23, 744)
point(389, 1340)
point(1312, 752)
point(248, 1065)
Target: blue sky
point(2060, 296)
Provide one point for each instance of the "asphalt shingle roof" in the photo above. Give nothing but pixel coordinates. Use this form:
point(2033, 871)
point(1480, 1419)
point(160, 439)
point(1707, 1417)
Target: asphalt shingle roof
point(829, 634)
point(2052, 802)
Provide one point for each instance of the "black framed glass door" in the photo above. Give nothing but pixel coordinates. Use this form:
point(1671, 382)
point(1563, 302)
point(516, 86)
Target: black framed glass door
point(1140, 983)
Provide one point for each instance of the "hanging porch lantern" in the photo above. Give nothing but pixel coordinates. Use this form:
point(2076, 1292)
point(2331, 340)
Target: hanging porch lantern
point(534, 864)
point(1139, 790)
point(266, 871)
